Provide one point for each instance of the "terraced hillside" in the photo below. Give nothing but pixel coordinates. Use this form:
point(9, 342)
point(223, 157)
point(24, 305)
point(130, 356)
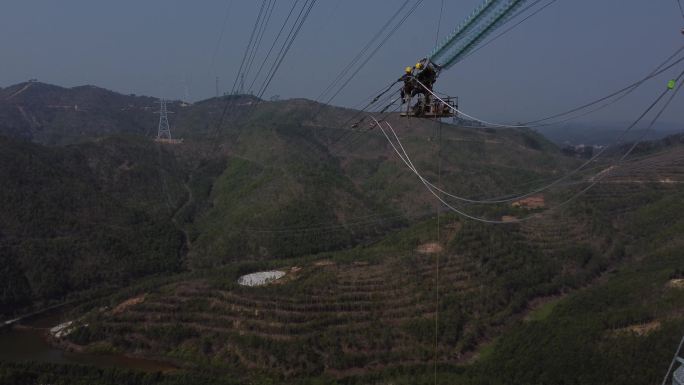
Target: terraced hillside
point(628, 186)
point(349, 315)
point(625, 326)
point(287, 185)
point(368, 314)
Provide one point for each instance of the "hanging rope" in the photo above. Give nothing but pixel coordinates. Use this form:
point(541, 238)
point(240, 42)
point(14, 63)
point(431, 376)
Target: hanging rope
point(494, 17)
point(353, 63)
point(439, 206)
point(439, 21)
point(439, 181)
point(681, 9)
point(490, 41)
point(663, 67)
point(595, 180)
point(547, 186)
point(223, 30)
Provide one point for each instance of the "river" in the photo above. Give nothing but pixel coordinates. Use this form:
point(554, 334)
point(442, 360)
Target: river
point(27, 341)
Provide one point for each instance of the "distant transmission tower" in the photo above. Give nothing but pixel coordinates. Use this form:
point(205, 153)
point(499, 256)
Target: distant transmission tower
point(164, 131)
point(186, 90)
point(186, 93)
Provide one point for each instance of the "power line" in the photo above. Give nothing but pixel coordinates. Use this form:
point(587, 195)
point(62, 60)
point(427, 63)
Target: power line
point(409, 164)
point(360, 54)
point(663, 67)
point(370, 56)
point(358, 57)
point(223, 29)
point(382, 43)
point(439, 21)
point(356, 135)
point(627, 89)
point(467, 36)
point(480, 13)
point(329, 227)
point(284, 49)
point(537, 123)
point(597, 178)
point(290, 39)
point(346, 134)
point(681, 9)
point(512, 27)
point(275, 41)
point(240, 74)
point(659, 70)
point(548, 186)
point(260, 36)
point(249, 45)
point(439, 206)
point(512, 196)
point(376, 101)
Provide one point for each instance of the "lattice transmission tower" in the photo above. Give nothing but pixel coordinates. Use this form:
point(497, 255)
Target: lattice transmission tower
point(164, 131)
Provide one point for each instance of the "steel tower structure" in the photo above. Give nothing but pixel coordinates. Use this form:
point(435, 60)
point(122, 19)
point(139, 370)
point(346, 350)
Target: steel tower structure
point(164, 131)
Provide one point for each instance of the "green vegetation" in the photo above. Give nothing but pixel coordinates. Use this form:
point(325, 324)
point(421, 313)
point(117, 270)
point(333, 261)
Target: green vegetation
point(544, 311)
point(32, 373)
point(356, 308)
point(597, 330)
point(82, 216)
point(49, 114)
point(156, 237)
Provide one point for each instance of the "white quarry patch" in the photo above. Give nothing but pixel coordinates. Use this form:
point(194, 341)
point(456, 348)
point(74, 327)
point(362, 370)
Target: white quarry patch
point(64, 329)
point(260, 278)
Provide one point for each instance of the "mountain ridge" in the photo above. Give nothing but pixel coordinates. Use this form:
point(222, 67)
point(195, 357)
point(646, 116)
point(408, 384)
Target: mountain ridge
point(96, 206)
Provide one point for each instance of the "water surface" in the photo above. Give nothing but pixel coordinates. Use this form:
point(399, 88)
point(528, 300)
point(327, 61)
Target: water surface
point(28, 341)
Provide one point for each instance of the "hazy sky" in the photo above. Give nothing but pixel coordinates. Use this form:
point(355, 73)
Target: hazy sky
point(573, 51)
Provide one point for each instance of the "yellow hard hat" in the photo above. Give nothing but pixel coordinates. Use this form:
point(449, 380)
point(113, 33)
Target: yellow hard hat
point(408, 70)
point(419, 65)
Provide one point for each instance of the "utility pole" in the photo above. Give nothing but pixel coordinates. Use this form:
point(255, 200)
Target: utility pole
point(186, 90)
point(164, 131)
point(217, 86)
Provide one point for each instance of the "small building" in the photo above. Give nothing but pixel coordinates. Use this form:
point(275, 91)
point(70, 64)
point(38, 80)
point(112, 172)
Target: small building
point(678, 375)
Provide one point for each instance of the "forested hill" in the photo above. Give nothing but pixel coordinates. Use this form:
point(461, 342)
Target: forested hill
point(86, 216)
point(54, 115)
point(50, 114)
point(97, 212)
point(232, 191)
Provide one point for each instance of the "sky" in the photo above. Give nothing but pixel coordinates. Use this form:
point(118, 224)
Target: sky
point(572, 52)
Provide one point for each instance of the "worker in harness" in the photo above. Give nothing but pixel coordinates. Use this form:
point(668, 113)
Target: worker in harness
point(428, 72)
point(410, 86)
point(425, 79)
